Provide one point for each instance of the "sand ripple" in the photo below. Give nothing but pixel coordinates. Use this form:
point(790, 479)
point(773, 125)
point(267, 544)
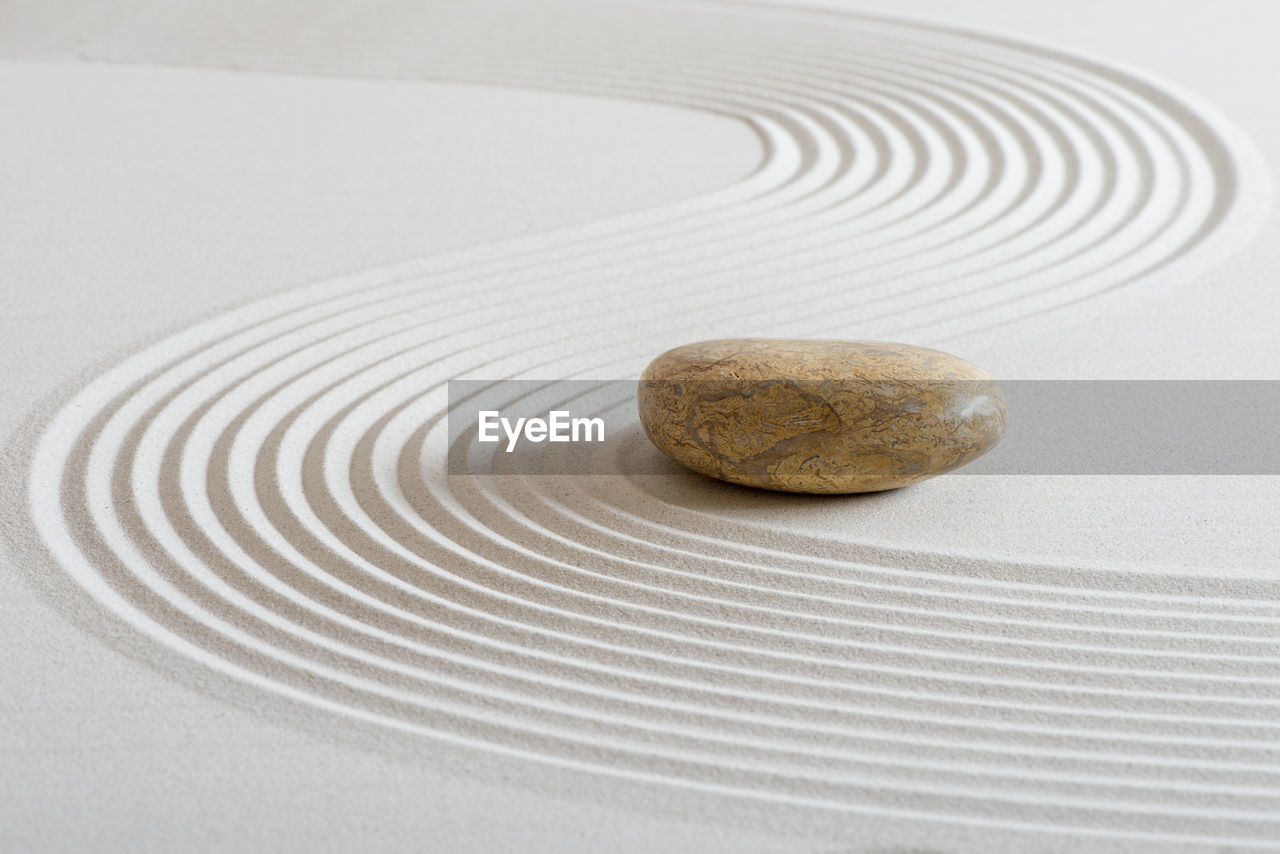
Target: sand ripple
point(264, 493)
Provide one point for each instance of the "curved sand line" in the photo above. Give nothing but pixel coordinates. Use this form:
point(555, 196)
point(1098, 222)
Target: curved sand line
point(266, 493)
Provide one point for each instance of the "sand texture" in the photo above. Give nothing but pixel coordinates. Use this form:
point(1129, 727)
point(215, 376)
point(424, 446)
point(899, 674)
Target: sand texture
point(254, 241)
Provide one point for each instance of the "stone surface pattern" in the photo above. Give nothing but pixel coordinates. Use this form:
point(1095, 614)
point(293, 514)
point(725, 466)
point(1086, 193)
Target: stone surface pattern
point(819, 416)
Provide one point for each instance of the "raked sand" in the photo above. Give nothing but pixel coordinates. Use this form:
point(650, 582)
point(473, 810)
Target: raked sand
point(238, 297)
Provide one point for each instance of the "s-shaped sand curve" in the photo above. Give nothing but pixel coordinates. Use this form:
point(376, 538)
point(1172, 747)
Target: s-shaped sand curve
point(265, 493)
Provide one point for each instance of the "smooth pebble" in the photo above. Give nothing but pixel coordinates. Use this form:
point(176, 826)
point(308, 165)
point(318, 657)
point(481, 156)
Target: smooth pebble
point(819, 416)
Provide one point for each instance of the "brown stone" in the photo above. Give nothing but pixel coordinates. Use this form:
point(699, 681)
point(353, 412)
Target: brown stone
point(819, 416)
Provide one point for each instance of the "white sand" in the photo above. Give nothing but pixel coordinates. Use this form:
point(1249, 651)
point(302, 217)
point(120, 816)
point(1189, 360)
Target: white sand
point(375, 654)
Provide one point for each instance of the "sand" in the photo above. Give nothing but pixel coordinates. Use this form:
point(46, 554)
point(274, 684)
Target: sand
point(254, 243)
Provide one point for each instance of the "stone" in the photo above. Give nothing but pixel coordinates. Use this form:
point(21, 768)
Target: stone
point(819, 416)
